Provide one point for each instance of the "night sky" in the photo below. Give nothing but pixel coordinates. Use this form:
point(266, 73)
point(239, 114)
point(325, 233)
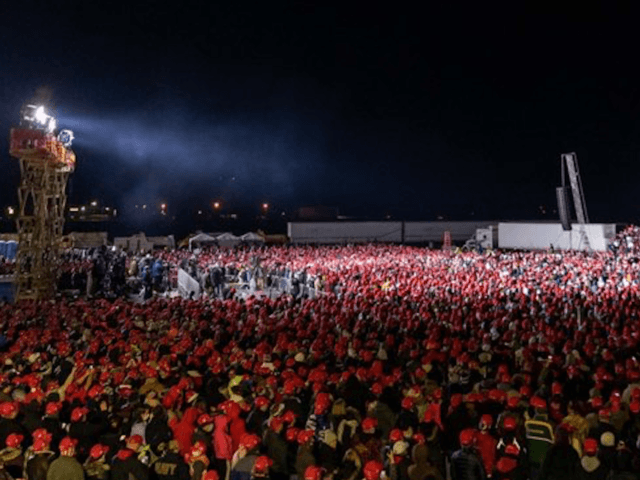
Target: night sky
point(374, 108)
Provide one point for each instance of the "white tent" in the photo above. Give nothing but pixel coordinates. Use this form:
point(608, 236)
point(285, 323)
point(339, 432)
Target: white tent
point(252, 237)
point(201, 239)
point(228, 240)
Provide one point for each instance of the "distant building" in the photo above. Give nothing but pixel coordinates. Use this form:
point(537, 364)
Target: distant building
point(141, 243)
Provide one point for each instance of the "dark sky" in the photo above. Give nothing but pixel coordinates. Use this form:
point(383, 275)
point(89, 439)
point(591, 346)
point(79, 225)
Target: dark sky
point(372, 107)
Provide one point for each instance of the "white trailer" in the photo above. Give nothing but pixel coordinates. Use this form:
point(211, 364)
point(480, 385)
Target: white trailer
point(543, 236)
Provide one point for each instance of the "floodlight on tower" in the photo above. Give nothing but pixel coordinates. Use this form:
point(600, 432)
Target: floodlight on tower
point(40, 116)
point(45, 164)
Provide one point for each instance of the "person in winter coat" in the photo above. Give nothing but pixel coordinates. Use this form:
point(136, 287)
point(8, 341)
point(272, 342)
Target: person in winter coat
point(465, 462)
point(9, 422)
point(204, 433)
point(561, 461)
point(39, 456)
point(66, 467)
point(96, 466)
point(184, 427)
point(261, 468)
point(197, 461)
point(397, 461)
point(539, 435)
point(237, 427)
point(304, 456)
point(383, 414)
point(11, 456)
point(486, 444)
point(509, 466)
point(126, 465)
point(245, 457)
point(421, 468)
point(607, 437)
point(258, 415)
point(86, 427)
point(591, 468)
point(222, 445)
point(170, 465)
point(276, 449)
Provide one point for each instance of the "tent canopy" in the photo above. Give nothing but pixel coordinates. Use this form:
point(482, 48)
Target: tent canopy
point(201, 239)
point(252, 237)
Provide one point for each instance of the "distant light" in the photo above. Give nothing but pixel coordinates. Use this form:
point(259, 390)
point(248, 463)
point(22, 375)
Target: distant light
point(83, 209)
point(163, 206)
point(73, 209)
point(94, 203)
point(199, 212)
point(216, 205)
point(51, 125)
point(106, 209)
point(265, 205)
point(40, 116)
point(144, 207)
point(10, 210)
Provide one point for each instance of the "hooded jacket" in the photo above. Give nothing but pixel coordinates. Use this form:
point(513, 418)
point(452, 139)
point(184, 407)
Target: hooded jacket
point(183, 429)
point(222, 441)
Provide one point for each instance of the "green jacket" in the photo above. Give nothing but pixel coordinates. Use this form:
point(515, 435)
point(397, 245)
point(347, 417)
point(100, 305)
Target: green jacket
point(539, 439)
point(65, 468)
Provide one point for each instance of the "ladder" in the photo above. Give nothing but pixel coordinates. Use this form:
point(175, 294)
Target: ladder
point(571, 160)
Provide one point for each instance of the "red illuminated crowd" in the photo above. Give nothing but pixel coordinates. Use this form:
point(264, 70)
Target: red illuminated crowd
point(413, 364)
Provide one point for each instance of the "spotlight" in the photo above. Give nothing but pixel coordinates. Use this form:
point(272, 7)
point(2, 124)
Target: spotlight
point(35, 117)
point(40, 116)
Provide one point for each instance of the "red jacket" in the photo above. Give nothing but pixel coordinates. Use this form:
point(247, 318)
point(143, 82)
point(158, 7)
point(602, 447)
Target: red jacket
point(237, 430)
point(486, 445)
point(183, 429)
point(222, 441)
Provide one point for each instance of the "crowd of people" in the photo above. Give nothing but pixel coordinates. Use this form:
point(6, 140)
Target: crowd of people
point(413, 364)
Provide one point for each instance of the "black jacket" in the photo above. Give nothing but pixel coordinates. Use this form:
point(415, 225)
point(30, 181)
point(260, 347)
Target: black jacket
point(36, 467)
point(170, 466)
point(560, 463)
point(125, 464)
point(466, 465)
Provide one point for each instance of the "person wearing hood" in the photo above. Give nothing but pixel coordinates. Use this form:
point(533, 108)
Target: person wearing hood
point(222, 445)
point(184, 427)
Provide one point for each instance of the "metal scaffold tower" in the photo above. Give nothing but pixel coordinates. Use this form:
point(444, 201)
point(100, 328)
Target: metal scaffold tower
point(45, 165)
